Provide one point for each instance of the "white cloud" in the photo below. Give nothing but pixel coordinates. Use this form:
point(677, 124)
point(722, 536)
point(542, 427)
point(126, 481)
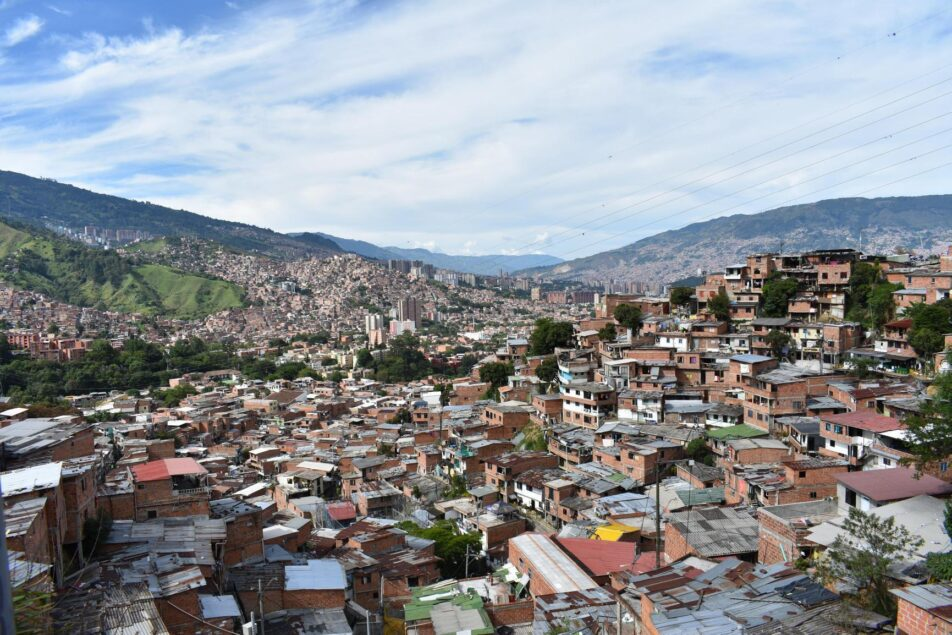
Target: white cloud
point(480, 127)
point(22, 30)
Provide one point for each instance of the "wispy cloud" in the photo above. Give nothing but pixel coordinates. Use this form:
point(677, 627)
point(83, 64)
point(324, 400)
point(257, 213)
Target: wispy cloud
point(479, 127)
point(22, 30)
point(59, 10)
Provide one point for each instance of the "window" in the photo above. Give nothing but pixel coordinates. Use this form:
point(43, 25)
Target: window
point(828, 427)
point(151, 513)
point(812, 494)
point(943, 466)
point(802, 474)
point(887, 461)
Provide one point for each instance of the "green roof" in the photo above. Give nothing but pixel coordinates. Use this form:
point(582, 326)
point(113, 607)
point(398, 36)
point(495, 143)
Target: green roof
point(702, 496)
point(740, 431)
point(425, 598)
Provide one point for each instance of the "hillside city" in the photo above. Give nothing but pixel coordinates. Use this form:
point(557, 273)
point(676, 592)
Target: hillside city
point(389, 447)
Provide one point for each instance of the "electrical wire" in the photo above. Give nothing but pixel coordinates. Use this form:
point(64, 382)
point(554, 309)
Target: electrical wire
point(789, 201)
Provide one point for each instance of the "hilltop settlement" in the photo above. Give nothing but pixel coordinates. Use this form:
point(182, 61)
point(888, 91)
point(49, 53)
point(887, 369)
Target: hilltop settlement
point(384, 447)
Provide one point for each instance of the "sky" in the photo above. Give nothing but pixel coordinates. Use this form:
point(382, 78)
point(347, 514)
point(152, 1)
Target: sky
point(484, 126)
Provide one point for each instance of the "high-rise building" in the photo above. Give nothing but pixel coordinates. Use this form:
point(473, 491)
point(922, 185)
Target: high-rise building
point(409, 310)
point(373, 322)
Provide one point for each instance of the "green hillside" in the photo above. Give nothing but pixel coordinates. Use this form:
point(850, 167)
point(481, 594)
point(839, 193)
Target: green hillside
point(73, 273)
point(44, 202)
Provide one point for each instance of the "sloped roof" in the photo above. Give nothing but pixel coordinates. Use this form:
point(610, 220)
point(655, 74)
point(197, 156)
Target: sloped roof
point(166, 468)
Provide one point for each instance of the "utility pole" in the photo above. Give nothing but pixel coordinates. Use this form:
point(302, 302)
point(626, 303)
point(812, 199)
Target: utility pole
point(6, 595)
point(261, 605)
point(467, 562)
point(383, 611)
point(657, 514)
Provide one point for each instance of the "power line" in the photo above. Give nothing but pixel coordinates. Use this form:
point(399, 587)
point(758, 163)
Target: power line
point(640, 142)
point(549, 242)
point(787, 202)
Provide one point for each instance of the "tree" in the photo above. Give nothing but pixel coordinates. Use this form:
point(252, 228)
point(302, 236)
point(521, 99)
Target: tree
point(533, 438)
point(861, 367)
point(608, 333)
point(451, 547)
point(940, 564)
point(697, 450)
point(861, 556)
point(720, 306)
point(364, 358)
point(930, 323)
point(929, 432)
point(548, 370)
point(495, 374)
point(548, 335)
point(629, 316)
point(780, 343)
point(777, 292)
point(869, 296)
point(682, 296)
point(403, 360)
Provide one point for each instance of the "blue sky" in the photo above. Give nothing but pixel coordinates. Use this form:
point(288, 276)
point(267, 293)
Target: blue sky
point(479, 127)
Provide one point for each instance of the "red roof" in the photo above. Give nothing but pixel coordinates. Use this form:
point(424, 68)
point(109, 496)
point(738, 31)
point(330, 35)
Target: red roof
point(600, 557)
point(165, 468)
point(341, 511)
point(865, 420)
point(883, 486)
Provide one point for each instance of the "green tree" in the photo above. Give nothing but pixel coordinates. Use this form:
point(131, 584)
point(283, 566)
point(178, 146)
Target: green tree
point(777, 292)
point(720, 306)
point(548, 369)
point(451, 547)
point(548, 334)
point(364, 358)
point(940, 564)
point(930, 323)
point(533, 438)
point(780, 343)
point(929, 432)
point(403, 360)
point(496, 374)
point(682, 296)
point(861, 555)
point(869, 296)
point(629, 316)
point(608, 333)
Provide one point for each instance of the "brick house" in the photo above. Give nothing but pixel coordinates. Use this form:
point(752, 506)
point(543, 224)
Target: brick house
point(853, 436)
point(784, 529)
point(587, 404)
point(713, 532)
point(502, 470)
point(924, 609)
point(170, 487)
point(549, 569)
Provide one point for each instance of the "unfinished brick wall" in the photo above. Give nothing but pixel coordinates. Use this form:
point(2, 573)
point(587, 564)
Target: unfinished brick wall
point(913, 620)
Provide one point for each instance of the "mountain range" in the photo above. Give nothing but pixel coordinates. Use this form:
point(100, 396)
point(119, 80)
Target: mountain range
point(489, 265)
point(48, 203)
point(876, 225)
point(881, 225)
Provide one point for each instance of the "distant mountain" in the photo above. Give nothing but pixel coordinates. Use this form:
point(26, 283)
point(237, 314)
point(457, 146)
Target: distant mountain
point(359, 247)
point(36, 260)
point(879, 225)
point(44, 202)
point(484, 265)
